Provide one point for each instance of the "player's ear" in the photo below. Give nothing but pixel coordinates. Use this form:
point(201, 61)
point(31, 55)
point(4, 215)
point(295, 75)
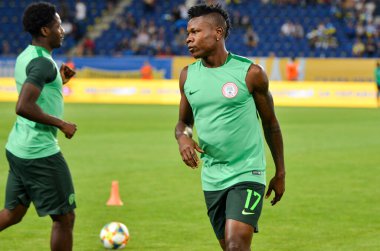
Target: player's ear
point(45, 31)
point(219, 33)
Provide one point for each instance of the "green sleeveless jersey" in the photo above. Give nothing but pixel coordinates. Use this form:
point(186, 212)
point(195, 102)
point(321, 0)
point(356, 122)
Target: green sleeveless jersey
point(377, 76)
point(28, 139)
point(227, 123)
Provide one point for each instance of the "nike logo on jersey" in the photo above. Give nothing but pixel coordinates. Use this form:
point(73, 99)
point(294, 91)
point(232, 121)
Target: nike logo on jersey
point(246, 213)
point(192, 92)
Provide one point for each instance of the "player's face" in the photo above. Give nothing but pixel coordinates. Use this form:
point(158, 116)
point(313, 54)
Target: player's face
point(201, 38)
point(57, 33)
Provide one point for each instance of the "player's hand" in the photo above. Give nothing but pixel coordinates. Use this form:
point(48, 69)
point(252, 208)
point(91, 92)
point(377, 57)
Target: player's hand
point(68, 129)
point(66, 73)
point(277, 184)
point(187, 148)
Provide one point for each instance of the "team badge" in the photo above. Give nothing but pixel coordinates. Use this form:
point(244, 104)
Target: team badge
point(230, 90)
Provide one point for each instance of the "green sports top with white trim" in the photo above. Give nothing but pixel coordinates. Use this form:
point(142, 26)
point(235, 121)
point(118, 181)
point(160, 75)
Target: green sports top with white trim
point(28, 139)
point(227, 123)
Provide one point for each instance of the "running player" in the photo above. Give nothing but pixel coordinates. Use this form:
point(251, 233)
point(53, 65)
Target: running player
point(38, 172)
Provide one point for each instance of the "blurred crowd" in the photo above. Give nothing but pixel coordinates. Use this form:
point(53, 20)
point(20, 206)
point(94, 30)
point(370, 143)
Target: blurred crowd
point(360, 18)
point(73, 22)
point(361, 22)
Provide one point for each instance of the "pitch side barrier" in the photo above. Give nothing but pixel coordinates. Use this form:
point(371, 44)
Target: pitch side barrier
point(309, 69)
point(166, 92)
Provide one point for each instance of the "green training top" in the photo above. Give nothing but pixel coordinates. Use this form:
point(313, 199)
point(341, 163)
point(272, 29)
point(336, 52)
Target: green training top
point(377, 76)
point(28, 139)
point(227, 123)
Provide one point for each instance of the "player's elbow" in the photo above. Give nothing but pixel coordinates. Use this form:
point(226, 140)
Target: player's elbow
point(271, 124)
point(21, 109)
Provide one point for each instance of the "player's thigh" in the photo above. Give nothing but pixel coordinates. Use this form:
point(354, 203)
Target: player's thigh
point(238, 234)
point(244, 203)
point(50, 185)
point(15, 192)
point(216, 210)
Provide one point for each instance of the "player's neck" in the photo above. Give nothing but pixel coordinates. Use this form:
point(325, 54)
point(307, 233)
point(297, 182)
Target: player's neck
point(217, 59)
point(41, 43)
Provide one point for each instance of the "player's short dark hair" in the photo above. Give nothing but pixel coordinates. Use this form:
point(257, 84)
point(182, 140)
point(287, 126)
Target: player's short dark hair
point(221, 16)
point(38, 15)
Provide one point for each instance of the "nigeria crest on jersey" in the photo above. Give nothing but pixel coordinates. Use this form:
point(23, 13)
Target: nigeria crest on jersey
point(230, 90)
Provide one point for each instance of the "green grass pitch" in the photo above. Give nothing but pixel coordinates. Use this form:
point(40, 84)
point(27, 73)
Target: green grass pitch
point(332, 188)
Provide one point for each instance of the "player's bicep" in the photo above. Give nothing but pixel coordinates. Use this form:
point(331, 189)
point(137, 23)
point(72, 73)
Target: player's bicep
point(27, 99)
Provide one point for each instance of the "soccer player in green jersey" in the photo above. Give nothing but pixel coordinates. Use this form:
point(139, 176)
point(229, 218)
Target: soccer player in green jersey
point(226, 96)
point(38, 172)
point(377, 80)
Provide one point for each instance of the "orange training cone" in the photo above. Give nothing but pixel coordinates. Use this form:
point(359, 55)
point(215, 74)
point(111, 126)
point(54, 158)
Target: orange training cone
point(114, 199)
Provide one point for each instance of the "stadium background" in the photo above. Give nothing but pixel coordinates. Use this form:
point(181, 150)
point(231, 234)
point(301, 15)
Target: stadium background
point(114, 39)
point(331, 153)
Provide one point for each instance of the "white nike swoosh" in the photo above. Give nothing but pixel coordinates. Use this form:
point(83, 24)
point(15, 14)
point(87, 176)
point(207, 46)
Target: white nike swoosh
point(246, 213)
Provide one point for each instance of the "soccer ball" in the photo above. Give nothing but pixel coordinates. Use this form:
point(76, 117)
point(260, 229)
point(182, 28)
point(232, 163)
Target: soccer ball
point(114, 235)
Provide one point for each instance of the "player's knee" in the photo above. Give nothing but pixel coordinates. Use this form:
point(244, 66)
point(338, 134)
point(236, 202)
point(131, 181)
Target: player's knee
point(71, 218)
point(236, 245)
point(65, 220)
point(17, 219)
point(9, 218)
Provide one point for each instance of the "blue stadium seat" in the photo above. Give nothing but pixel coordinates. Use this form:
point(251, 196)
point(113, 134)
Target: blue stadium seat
point(266, 19)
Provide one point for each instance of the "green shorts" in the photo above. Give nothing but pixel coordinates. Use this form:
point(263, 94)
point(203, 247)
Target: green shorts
point(242, 202)
point(44, 181)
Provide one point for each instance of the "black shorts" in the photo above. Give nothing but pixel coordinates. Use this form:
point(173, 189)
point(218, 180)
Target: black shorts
point(242, 202)
point(44, 181)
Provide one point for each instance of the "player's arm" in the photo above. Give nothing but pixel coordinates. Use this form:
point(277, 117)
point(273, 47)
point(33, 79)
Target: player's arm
point(258, 84)
point(40, 71)
point(183, 129)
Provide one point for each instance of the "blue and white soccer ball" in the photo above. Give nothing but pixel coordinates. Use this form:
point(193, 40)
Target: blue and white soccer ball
point(114, 235)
